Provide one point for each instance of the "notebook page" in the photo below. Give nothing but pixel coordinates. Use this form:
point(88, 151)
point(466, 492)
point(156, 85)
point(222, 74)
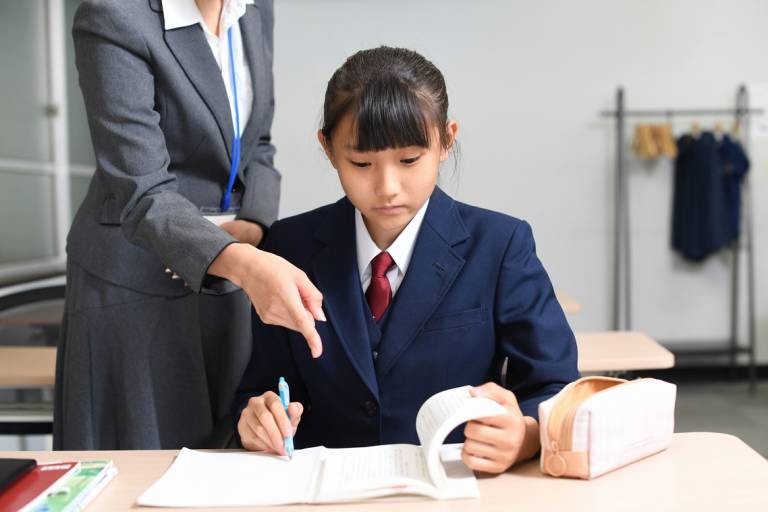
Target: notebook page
point(443, 412)
point(353, 473)
point(209, 479)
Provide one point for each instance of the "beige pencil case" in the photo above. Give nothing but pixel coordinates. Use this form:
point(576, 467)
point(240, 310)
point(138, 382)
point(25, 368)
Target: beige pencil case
point(597, 424)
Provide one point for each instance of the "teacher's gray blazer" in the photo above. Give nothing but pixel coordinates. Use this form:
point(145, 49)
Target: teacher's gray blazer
point(162, 131)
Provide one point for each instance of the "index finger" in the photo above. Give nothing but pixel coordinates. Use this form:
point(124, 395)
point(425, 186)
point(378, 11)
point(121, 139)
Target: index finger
point(311, 297)
point(496, 393)
point(304, 322)
point(265, 416)
point(281, 417)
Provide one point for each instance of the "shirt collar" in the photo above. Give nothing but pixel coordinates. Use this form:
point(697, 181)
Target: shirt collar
point(183, 13)
point(401, 249)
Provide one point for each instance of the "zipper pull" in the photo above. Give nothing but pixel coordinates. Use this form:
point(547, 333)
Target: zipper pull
point(555, 463)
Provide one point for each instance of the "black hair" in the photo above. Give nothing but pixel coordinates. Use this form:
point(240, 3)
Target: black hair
point(396, 97)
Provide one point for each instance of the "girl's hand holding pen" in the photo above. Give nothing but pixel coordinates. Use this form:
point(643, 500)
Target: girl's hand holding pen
point(263, 424)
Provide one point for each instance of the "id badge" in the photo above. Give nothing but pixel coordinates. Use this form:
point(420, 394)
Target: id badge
point(217, 217)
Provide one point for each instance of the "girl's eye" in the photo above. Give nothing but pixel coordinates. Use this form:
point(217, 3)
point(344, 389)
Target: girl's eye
point(412, 160)
point(360, 164)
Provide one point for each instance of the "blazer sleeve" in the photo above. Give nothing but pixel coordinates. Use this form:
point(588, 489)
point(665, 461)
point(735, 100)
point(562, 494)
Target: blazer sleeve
point(535, 336)
point(118, 85)
point(262, 181)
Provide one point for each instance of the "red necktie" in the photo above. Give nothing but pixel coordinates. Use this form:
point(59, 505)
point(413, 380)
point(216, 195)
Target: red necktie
point(379, 293)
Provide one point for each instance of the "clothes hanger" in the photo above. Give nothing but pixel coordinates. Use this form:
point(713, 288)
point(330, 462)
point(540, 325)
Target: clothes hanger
point(695, 129)
point(719, 130)
point(665, 139)
point(735, 128)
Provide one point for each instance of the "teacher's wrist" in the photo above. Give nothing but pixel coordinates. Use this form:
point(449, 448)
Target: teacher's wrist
point(234, 262)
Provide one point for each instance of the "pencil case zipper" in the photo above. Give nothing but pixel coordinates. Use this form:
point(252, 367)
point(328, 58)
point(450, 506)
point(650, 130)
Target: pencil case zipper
point(563, 414)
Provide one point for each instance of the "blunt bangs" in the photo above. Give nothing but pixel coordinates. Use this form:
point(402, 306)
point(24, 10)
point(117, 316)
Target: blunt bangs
point(387, 114)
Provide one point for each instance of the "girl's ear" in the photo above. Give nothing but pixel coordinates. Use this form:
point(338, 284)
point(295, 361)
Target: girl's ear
point(451, 128)
point(326, 145)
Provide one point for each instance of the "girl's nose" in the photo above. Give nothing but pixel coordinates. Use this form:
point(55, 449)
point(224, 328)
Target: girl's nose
point(388, 183)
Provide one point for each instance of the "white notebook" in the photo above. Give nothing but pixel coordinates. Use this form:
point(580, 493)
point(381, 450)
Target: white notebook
point(324, 475)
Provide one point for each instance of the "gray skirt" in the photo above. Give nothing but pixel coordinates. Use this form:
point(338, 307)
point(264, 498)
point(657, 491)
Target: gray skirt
point(139, 371)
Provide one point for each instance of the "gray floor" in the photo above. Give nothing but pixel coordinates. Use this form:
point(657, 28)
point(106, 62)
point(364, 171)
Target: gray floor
point(724, 407)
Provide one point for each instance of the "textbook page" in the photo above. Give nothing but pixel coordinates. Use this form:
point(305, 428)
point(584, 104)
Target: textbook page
point(376, 471)
point(373, 471)
point(440, 414)
point(207, 479)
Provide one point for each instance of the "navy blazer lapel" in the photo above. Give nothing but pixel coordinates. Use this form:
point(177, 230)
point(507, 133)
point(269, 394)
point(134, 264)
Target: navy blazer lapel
point(335, 271)
point(433, 268)
point(253, 42)
point(191, 50)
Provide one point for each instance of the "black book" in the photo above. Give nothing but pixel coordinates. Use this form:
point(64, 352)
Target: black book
point(13, 469)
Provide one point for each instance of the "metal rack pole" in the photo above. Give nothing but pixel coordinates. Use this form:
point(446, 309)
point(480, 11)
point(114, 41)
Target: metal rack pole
point(627, 325)
point(733, 342)
point(735, 285)
point(746, 193)
point(618, 211)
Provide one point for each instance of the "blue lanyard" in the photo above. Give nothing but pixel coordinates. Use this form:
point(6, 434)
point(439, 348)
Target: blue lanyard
point(236, 142)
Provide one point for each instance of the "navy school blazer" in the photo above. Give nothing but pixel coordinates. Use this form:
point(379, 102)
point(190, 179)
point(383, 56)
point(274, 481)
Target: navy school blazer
point(474, 294)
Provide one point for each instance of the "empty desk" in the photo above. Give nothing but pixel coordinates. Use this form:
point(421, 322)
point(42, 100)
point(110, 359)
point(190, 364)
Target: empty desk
point(621, 351)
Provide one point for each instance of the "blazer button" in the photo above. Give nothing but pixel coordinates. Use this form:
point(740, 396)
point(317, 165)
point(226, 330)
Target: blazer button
point(371, 409)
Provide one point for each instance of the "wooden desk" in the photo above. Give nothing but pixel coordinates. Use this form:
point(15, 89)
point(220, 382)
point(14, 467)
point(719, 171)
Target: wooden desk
point(699, 472)
point(568, 303)
point(27, 367)
point(621, 351)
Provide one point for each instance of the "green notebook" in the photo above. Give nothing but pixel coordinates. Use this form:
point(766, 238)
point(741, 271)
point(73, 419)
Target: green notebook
point(81, 487)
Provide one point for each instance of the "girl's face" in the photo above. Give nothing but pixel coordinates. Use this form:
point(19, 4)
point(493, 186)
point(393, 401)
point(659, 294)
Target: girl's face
point(389, 186)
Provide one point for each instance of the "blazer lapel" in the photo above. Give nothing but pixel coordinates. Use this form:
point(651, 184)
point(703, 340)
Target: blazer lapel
point(433, 268)
point(253, 42)
point(335, 270)
point(191, 50)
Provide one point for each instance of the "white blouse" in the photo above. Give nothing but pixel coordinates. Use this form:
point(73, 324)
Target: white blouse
point(183, 13)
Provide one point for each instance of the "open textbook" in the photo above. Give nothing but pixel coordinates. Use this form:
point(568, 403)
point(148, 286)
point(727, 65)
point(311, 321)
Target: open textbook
point(324, 475)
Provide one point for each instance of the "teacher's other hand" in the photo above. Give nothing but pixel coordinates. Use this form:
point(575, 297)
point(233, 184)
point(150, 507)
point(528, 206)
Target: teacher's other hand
point(244, 231)
point(280, 293)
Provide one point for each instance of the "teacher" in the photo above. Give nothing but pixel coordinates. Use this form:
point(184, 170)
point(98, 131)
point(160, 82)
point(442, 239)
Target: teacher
point(156, 330)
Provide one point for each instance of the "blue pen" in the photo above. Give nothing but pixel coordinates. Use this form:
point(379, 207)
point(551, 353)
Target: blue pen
point(285, 398)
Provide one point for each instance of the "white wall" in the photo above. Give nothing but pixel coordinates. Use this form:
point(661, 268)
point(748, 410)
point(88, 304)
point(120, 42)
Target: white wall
point(526, 80)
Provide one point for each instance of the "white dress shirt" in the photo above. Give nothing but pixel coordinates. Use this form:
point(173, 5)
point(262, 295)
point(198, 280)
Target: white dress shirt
point(183, 13)
point(401, 249)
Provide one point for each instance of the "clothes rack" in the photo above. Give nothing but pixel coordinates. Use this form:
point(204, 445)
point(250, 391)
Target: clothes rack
point(742, 247)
